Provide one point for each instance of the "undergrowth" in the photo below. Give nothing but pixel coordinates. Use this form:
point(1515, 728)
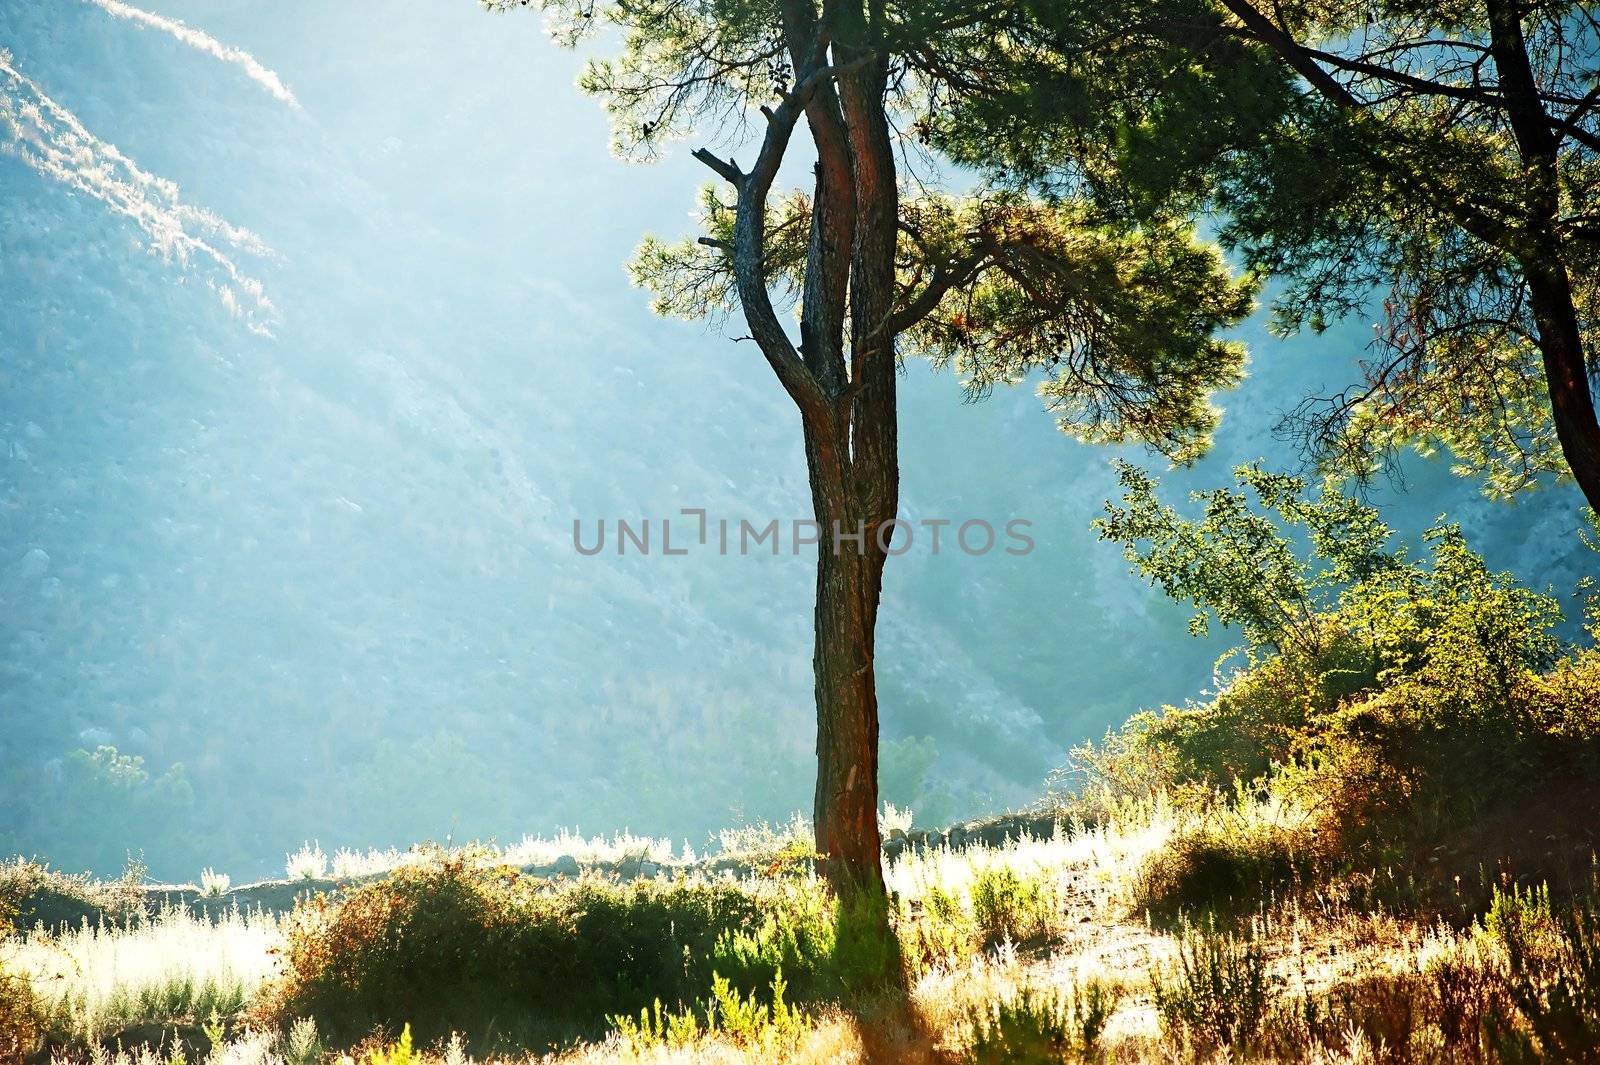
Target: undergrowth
point(20, 1026)
point(513, 960)
point(1043, 1025)
point(1408, 718)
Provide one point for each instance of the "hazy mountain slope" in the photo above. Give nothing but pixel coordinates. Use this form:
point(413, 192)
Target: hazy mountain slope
point(315, 547)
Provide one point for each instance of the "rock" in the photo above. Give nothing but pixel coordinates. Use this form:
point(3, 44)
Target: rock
point(995, 833)
point(31, 566)
point(566, 865)
point(648, 869)
point(170, 1040)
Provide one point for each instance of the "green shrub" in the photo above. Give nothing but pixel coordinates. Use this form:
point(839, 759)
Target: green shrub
point(511, 960)
point(1035, 1027)
point(1008, 907)
point(1552, 980)
point(1216, 993)
point(402, 1052)
point(1212, 872)
point(934, 930)
point(303, 1044)
point(1406, 699)
point(861, 957)
point(658, 1027)
point(746, 1021)
point(32, 893)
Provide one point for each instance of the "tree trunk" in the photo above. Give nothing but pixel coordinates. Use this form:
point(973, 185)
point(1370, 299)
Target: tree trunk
point(1566, 374)
point(1549, 285)
point(854, 457)
point(849, 577)
point(846, 804)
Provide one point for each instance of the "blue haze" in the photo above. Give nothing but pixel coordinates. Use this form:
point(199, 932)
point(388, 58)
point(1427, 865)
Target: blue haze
point(311, 562)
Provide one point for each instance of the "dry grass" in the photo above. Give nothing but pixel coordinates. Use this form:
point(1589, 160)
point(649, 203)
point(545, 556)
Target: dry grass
point(1380, 966)
point(175, 968)
point(1097, 868)
point(310, 862)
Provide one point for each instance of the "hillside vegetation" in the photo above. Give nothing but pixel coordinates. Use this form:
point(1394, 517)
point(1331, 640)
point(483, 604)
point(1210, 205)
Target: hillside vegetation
point(1373, 843)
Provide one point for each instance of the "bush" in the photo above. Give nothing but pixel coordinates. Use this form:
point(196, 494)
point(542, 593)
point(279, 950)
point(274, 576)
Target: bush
point(771, 1027)
point(303, 1044)
point(1034, 1027)
point(1008, 907)
point(32, 893)
point(862, 956)
point(1229, 865)
point(1216, 993)
point(402, 1052)
point(1552, 979)
point(1407, 700)
point(937, 931)
point(511, 960)
point(20, 1026)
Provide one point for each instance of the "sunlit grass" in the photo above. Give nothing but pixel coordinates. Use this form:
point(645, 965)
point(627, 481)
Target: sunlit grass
point(176, 967)
point(892, 819)
point(307, 863)
point(764, 840)
point(1097, 864)
point(1381, 969)
point(537, 850)
point(311, 863)
point(353, 864)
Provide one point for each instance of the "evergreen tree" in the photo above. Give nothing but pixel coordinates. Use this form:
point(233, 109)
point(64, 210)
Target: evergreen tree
point(1118, 320)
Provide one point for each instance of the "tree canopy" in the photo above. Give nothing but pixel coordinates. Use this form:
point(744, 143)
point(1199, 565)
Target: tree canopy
point(1432, 164)
point(1117, 315)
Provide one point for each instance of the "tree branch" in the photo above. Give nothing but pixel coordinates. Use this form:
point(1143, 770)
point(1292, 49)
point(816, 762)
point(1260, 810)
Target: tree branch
point(749, 240)
point(1399, 77)
point(1291, 52)
point(924, 302)
point(727, 169)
